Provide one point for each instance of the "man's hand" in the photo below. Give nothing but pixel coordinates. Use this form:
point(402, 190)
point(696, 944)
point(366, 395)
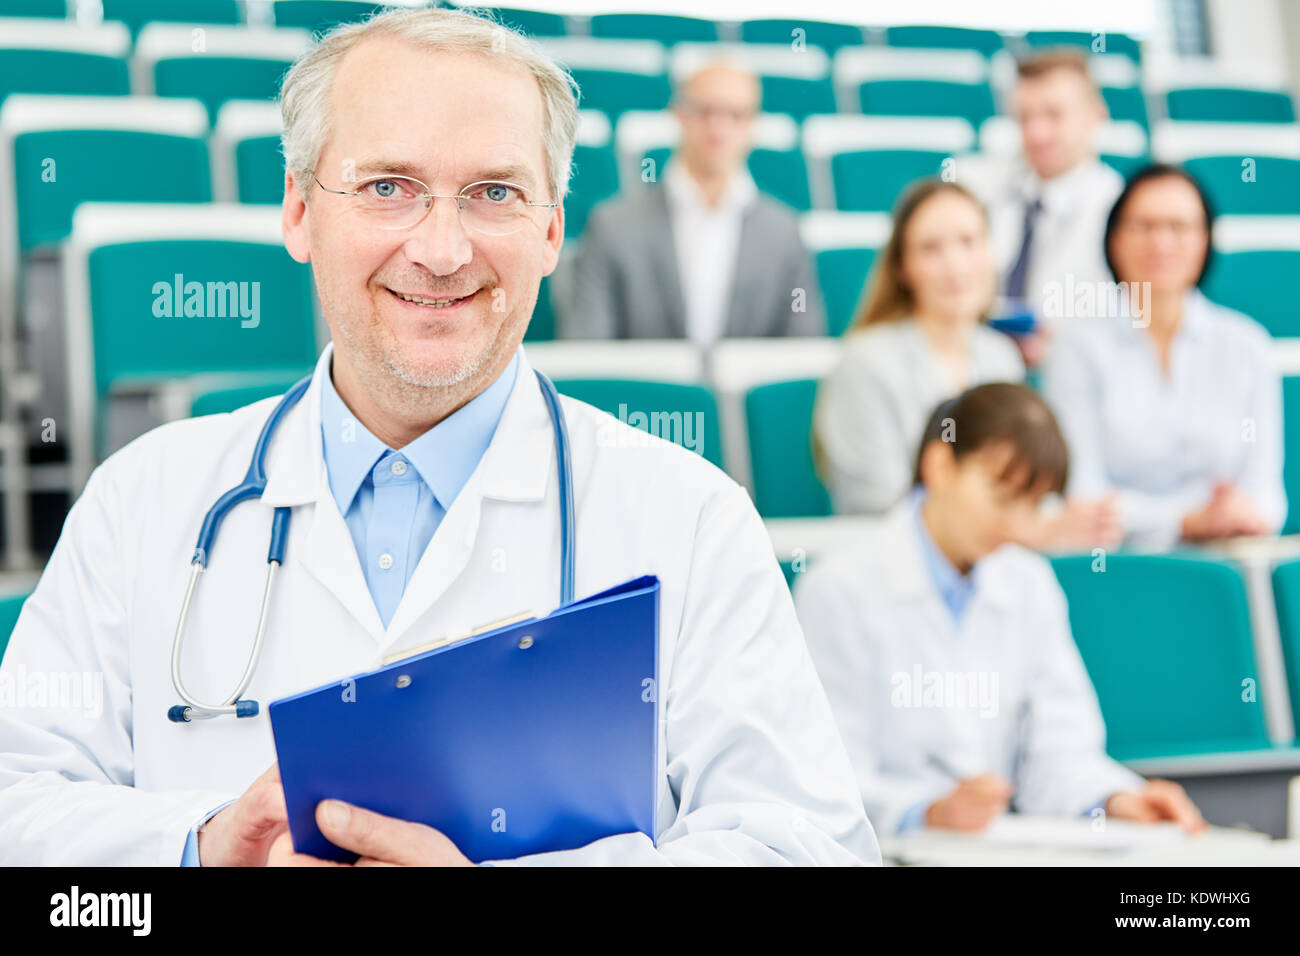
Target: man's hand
point(242, 833)
point(973, 805)
point(1158, 801)
point(380, 840)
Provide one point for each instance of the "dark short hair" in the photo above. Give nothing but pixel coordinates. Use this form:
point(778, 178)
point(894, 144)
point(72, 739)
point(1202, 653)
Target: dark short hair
point(1148, 174)
point(999, 413)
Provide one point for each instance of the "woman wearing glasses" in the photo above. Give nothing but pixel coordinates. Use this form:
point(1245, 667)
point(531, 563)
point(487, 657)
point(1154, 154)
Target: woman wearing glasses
point(1168, 400)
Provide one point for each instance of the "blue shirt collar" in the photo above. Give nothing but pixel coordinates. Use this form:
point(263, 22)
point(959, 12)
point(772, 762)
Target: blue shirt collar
point(445, 456)
point(954, 587)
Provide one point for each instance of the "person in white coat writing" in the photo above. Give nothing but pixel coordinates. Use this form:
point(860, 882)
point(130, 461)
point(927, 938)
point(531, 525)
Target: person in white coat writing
point(946, 650)
point(427, 154)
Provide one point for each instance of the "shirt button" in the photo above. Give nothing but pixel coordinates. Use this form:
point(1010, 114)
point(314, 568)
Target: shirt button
point(399, 468)
point(385, 561)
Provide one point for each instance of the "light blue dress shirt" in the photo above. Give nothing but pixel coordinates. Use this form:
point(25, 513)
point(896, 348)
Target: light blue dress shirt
point(394, 500)
point(955, 588)
point(1161, 439)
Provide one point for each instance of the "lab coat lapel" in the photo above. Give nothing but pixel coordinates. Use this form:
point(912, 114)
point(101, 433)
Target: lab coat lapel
point(515, 468)
point(296, 476)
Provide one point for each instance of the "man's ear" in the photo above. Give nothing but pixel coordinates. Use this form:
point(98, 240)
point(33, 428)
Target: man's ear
point(293, 220)
point(554, 241)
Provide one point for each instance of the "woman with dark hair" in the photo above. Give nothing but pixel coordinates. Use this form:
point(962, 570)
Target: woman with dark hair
point(1170, 402)
point(945, 649)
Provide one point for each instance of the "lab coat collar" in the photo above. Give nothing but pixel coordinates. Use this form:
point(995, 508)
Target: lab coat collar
point(908, 577)
point(515, 466)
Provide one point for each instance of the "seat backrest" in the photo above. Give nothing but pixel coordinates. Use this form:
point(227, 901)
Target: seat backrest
point(778, 419)
point(685, 414)
point(1167, 642)
point(232, 63)
point(137, 14)
point(61, 56)
point(1230, 105)
point(97, 149)
point(1286, 596)
point(11, 605)
point(320, 16)
point(653, 26)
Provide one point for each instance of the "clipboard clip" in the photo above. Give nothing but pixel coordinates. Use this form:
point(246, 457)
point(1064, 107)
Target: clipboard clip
point(456, 636)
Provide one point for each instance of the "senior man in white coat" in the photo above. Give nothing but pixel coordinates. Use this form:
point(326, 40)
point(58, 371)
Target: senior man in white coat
point(427, 308)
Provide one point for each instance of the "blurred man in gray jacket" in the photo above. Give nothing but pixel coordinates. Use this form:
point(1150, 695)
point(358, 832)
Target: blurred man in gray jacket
point(701, 255)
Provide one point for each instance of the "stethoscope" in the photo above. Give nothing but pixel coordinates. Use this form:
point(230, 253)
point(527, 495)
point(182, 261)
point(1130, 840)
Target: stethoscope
point(254, 484)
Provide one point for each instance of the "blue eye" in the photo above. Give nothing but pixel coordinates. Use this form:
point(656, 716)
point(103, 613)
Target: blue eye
point(499, 193)
point(384, 189)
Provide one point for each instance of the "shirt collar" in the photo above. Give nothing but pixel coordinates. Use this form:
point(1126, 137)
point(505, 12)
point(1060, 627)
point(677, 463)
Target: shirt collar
point(1055, 193)
point(952, 585)
point(1195, 323)
point(445, 456)
point(683, 190)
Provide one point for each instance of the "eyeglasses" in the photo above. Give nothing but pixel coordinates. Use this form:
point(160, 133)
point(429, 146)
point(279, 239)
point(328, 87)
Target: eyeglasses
point(705, 111)
point(1181, 229)
point(399, 202)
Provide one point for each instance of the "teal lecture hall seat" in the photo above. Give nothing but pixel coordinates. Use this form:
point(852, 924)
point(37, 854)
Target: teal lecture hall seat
point(137, 13)
point(11, 605)
point(653, 26)
point(842, 274)
point(829, 36)
point(132, 346)
point(987, 42)
point(778, 421)
point(1230, 105)
point(26, 69)
point(683, 413)
point(1167, 642)
point(319, 16)
point(973, 102)
point(1260, 283)
point(1272, 189)
point(1286, 597)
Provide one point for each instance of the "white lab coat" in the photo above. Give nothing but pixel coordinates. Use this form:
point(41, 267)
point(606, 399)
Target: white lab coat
point(884, 643)
point(751, 767)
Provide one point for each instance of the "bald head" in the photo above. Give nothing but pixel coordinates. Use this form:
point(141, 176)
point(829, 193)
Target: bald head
point(716, 106)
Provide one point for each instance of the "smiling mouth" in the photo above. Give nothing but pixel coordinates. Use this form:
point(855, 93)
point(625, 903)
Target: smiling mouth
point(432, 303)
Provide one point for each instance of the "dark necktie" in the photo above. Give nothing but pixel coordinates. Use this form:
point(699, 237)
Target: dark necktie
point(1014, 287)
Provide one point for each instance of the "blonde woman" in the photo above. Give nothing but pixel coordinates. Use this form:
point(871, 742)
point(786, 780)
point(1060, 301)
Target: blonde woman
point(917, 339)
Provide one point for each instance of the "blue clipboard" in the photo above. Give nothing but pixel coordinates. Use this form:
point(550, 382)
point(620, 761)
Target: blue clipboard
point(535, 736)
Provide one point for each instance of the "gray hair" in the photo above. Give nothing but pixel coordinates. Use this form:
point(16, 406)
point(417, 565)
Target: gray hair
point(304, 96)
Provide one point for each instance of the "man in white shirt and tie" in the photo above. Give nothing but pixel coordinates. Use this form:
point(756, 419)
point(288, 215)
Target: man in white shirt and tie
point(1048, 208)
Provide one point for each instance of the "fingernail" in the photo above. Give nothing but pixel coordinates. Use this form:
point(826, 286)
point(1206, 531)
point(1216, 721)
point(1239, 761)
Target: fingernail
point(336, 813)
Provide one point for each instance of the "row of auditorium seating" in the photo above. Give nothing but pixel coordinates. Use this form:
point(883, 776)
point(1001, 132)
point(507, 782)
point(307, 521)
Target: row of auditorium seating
point(132, 272)
point(110, 149)
point(216, 63)
point(1168, 643)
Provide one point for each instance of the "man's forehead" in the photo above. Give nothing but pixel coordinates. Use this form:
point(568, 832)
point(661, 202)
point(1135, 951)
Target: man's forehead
point(395, 104)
